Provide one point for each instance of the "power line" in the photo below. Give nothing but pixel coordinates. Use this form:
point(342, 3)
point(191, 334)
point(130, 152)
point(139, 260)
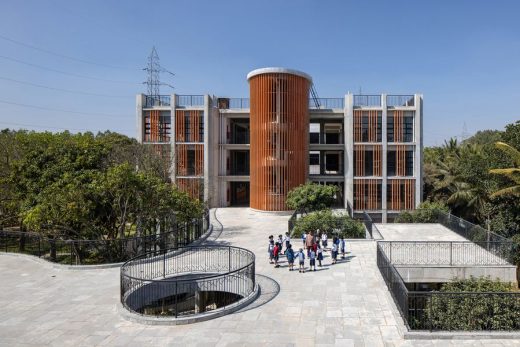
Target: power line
point(43, 127)
point(60, 110)
point(63, 72)
point(63, 90)
point(62, 55)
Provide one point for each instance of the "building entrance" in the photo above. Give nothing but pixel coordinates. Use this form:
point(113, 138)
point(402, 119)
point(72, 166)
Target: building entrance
point(239, 193)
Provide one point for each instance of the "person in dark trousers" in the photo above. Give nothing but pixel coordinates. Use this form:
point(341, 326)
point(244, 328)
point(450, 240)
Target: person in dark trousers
point(312, 260)
point(276, 254)
point(319, 255)
point(301, 260)
point(289, 253)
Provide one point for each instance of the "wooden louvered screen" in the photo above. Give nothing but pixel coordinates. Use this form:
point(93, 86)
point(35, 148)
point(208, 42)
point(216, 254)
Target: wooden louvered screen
point(367, 194)
point(190, 165)
point(187, 126)
point(361, 157)
point(156, 128)
point(366, 126)
point(400, 160)
point(279, 124)
point(401, 194)
point(398, 126)
point(191, 186)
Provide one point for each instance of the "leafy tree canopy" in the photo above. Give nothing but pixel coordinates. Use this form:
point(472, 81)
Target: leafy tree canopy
point(311, 197)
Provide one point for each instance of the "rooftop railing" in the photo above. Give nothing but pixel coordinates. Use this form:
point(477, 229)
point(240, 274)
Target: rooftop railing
point(189, 100)
point(367, 100)
point(156, 100)
point(327, 103)
point(238, 103)
point(400, 101)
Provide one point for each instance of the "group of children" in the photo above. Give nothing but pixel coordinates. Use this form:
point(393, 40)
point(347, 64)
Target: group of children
point(311, 242)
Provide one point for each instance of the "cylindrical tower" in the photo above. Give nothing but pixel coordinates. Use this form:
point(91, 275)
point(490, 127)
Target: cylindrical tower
point(279, 140)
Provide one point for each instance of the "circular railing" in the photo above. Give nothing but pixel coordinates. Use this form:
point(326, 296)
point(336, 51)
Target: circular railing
point(188, 281)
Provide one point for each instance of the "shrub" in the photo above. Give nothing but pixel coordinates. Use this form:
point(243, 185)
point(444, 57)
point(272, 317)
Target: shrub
point(471, 311)
point(311, 197)
point(426, 213)
point(340, 225)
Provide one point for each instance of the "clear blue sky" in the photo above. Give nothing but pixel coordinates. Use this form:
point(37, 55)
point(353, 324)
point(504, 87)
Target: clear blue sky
point(464, 56)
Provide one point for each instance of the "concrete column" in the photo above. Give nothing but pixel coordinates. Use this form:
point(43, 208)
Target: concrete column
point(173, 154)
point(139, 102)
point(349, 149)
point(384, 157)
point(207, 109)
point(200, 301)
point(418, 162)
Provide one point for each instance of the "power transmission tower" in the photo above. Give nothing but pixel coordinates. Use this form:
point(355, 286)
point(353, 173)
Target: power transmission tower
point(154, 69)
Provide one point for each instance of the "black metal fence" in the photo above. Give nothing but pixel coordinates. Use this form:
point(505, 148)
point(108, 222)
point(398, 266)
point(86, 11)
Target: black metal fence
point(446, 311)
point(156, 100)
point(189, 100)
point(466, 229)
point(187, 280)
point(400, 100)
point(367, 100)
point(327, 103)
point(452, 253)
point(103, 251)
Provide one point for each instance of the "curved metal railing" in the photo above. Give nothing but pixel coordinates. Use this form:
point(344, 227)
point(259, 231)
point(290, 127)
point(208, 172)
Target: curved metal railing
point(101, 251)
point(188, 280)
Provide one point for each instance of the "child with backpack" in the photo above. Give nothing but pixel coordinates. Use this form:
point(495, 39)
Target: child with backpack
point(312, 260)
point(270, 249)
point(289, 253)
point(276, 254)
point(334, 251)
point(319, 255)
point(301, 260)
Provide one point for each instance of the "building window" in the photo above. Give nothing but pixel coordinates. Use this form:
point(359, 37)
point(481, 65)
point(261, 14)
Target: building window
point(314, 132)
point(390, 164)
point(187, 126)
point(409, 163)
point(201, 127)
point(390, 129)
point(408, 129)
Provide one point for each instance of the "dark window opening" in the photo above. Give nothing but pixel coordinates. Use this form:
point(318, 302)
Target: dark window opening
point(390, 164)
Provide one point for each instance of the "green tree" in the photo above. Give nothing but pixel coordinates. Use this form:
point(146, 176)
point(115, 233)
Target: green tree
point(311, 197)
point(471, 311)
point(426, 213)
point(511, 173)
point(337, 224)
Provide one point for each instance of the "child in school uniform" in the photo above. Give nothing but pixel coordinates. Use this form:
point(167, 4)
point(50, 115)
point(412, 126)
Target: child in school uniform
point(312, 260)
point(289, 253)
point(270, 249)
point(287, 240)
point(334, 252)
point(301, 260)
point(319, 255)
point(276, 254)
point(342, 247)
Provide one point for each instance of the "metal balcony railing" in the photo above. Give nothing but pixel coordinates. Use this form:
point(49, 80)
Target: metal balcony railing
point(400, 101)
point(327, 103)
point(367, 100)
point(238, 103)
point(156, 100)
point(189, 100)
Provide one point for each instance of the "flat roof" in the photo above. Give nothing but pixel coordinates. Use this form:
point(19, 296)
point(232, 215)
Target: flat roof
point(417, 232)
point(278, 70)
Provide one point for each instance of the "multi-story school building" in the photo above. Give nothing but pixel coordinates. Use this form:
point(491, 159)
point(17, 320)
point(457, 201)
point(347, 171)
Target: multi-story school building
point(252, 151)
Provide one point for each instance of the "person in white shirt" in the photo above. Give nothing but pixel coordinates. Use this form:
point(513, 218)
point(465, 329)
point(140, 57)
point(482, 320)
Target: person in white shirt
point(324, 240)
point(287, 240)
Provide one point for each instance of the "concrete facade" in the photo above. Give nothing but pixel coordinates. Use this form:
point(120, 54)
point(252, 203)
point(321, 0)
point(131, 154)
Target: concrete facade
point(356, 133)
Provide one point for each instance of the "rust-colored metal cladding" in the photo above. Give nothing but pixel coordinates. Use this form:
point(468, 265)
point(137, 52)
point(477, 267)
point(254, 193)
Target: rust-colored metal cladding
point(279, 137)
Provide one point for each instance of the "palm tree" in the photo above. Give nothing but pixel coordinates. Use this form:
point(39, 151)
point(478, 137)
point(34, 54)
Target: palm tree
point(511, 173)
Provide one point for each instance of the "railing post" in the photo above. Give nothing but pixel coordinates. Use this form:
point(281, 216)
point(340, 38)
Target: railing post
point(451, 253)
point(71, 253)
point(229, 261)
point(176, 297)
point(39, 247)
point(164, 263)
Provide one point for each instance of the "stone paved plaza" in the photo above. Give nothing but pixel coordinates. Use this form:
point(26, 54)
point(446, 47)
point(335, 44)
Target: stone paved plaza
point(346, 304)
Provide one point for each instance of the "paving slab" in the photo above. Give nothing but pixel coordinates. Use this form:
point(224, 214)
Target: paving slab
point(346, 304)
